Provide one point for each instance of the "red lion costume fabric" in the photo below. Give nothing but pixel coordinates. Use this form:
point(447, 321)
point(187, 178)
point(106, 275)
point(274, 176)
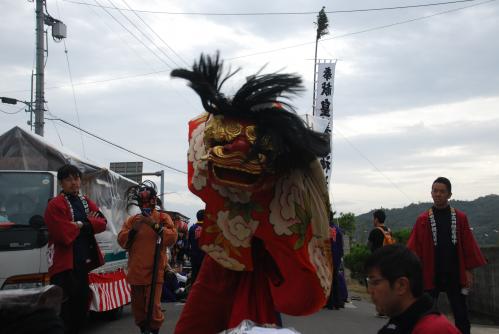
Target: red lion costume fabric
point(254, 163)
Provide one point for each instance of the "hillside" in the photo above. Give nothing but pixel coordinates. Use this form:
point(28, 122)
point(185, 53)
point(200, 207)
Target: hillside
point(483, 215)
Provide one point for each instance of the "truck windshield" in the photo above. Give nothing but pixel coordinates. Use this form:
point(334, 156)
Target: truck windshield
point(24, 195)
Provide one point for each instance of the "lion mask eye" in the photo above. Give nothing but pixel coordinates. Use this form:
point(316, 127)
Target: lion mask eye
point(220, 131)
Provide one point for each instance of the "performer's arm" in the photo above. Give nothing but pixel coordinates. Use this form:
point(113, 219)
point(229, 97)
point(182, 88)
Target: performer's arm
point(169, 231)
point(61, 229)
point(128, 232)
point(96, 219)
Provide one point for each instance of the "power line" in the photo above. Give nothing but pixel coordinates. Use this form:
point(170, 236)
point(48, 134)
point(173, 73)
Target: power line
point(280, 13)
point(372, 164)
point(131, 33)
point(156, 34)
point(122, 38)
point(72, 86)
point(363, 31)
point(12, 113)
point(53, 123)
point(115, 145)
point(265, 52)
point(83, 83)
point(144, 34)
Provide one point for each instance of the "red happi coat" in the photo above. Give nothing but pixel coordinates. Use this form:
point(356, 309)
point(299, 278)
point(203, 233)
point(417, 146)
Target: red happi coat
point(421, 243)
point(434, 324)
point(62, 234)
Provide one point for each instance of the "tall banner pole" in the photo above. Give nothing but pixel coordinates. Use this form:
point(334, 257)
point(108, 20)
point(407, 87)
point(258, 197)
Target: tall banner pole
point(323, 110)
point(315, 77)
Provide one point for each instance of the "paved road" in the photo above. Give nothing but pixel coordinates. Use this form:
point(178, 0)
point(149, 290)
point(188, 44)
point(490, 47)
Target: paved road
point(358, 317)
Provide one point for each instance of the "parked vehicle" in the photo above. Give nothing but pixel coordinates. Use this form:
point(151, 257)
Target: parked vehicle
point(28, 179)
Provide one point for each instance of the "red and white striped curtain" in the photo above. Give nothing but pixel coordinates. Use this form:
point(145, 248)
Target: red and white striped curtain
point(109, 291)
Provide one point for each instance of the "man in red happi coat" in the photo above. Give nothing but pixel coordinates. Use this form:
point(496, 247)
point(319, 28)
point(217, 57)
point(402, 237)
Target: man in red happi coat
point(443, 240)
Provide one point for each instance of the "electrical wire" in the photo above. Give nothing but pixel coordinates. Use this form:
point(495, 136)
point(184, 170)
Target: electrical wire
point(144, 61)
point(362, 31)
point(282, 13)
point(53, 124)
point(145, 35)
point(372, 164)
point(268, 51)
point(72, 86)
point(156, 34)
point(12, 113)
point(134, 36)
point(116, 145)
point(188, 101)
point(84, 83)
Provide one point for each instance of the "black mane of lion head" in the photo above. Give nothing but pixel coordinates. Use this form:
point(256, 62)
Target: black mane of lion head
point(257, 130)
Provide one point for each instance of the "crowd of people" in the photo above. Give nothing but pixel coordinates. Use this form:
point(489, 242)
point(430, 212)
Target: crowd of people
point(266, 243)
point(403, 281)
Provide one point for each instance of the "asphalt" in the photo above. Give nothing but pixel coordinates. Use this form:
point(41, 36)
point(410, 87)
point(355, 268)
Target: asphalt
point(357, 317)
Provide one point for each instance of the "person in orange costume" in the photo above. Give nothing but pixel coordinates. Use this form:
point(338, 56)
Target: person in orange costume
point(138, 236)
point(253, 161)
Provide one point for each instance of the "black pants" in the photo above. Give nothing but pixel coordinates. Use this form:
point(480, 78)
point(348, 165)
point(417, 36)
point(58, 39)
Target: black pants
point(334, 301)
point(74, 307)
point(457, 303)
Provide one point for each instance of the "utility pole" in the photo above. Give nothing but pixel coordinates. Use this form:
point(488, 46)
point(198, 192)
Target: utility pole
point(58, 33)
point(40, 69)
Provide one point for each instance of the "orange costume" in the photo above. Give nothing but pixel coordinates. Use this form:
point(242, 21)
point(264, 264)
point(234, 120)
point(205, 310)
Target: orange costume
point(140, 245)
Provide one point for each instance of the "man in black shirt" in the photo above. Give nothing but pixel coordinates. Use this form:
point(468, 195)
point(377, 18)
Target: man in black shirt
point(376, 237)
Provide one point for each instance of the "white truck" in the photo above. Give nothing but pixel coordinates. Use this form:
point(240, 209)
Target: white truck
point(28, 179)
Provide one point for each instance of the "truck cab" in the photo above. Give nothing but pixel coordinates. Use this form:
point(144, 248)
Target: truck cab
point(23, 234)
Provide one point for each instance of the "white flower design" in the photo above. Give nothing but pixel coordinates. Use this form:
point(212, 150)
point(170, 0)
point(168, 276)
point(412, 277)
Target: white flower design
point(50, 255)
point(289, 192)
point(319, 259)
point(233, 194)
point(236, 230)
point(218, 254)
point(196, 151)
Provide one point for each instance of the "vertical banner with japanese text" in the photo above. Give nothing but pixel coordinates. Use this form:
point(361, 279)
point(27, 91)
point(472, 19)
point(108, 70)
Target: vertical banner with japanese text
point(323, 107)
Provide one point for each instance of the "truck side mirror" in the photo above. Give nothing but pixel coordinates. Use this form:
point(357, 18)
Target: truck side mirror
point(36, 221)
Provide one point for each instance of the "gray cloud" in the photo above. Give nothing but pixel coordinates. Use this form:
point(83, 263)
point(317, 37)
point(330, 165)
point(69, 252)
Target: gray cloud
point(449, 58)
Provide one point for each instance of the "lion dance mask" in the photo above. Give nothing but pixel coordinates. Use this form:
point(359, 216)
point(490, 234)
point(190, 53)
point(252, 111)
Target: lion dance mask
point(254, 163)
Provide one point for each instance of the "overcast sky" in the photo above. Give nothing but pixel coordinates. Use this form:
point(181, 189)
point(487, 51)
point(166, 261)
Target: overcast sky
point(412, 101)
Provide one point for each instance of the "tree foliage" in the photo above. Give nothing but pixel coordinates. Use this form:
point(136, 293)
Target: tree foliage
point(355, 261)
point(346, 222)
point(401, 236)
point(322, 24)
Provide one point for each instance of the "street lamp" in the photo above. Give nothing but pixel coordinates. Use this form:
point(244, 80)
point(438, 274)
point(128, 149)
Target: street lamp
point(9, 100)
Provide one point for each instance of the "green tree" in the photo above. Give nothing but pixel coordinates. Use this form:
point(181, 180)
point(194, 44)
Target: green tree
point(346, 222)
point(322, 24)
point(355, 261)
point(401, 236)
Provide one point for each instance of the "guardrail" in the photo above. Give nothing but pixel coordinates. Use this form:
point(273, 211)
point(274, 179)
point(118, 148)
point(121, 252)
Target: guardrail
point(484, 297)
